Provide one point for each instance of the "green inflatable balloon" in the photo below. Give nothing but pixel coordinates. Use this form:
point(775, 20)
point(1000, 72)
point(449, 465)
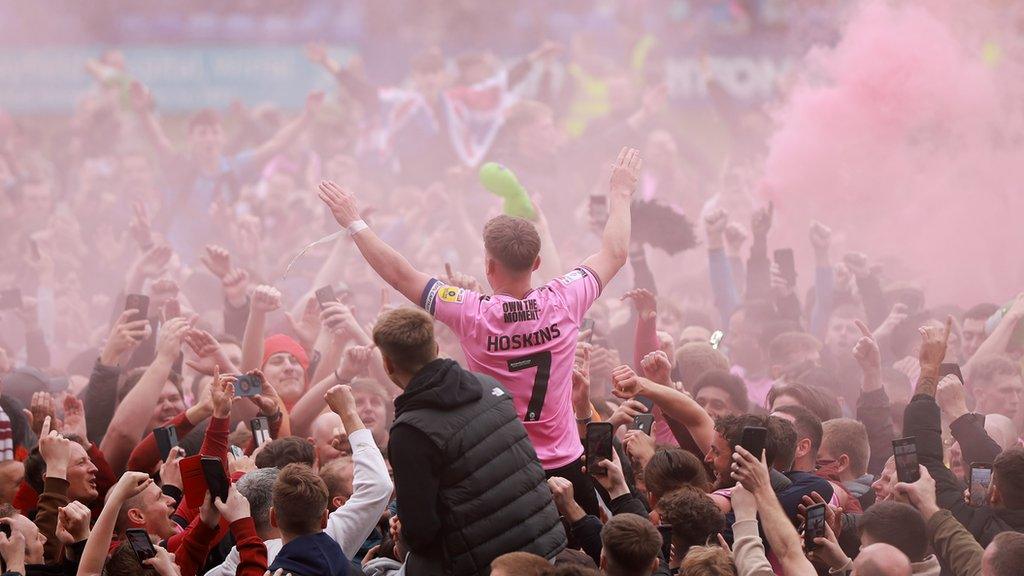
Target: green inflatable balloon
point(502, 182)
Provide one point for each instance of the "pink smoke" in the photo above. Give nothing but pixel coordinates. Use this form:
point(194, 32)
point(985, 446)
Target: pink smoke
point(902, 138)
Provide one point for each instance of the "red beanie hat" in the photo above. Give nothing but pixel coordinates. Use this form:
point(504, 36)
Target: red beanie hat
point(282, 343)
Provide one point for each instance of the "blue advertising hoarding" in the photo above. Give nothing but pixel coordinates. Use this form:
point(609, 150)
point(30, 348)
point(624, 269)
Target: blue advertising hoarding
point(44, 80)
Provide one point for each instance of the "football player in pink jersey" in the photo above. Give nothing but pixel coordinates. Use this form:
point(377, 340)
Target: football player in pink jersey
point(522, 336)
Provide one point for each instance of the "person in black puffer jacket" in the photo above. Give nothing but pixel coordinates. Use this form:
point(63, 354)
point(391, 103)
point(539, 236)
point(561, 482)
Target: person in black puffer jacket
point(468, 483)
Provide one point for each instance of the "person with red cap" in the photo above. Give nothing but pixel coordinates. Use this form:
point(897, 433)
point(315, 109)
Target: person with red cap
point(283, 361)
point(285, 365)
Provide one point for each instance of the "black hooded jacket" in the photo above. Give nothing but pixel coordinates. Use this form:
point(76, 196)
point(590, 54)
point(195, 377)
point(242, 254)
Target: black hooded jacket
point(922, 420)
point(467, 479)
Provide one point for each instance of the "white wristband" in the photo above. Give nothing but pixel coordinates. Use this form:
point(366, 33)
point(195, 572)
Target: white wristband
point(356, 227)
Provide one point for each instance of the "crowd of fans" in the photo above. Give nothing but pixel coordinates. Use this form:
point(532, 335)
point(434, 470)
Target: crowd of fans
point(250, 341)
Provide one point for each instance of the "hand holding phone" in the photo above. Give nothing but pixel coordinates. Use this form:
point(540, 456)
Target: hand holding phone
point(981, 481)
point(587, 324)
point(643, 423)
point(216, 479)
point(815, 525)
point(260, 427)
point(325, 296)
point(193, 481)
point(665, 530)
point(139, 303)
point(948, 368)
point(904, 451)
point(139, 540)
point(753, 440)
point(598, 446)
point(248, 385)
point(166, 439)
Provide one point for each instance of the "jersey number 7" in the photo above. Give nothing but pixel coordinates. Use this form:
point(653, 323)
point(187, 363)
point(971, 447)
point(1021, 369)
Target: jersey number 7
point(542, 362)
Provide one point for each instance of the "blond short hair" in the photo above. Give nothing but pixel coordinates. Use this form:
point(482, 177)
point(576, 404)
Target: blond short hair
point(405, 337)
point(850, 437)
point(512, 241)
point(707, 561)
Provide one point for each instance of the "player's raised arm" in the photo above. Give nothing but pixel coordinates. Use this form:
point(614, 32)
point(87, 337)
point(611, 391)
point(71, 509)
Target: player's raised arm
point(389, 264)
point(615, 241)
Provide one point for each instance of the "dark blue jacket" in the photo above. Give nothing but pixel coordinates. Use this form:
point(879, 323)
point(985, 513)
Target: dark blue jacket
point(312, 555)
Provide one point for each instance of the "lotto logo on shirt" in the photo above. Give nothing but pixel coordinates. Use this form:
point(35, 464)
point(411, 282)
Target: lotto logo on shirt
point(453, 295)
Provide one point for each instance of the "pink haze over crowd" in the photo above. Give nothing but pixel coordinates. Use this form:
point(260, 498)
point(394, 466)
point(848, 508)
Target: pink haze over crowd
point(905, 137)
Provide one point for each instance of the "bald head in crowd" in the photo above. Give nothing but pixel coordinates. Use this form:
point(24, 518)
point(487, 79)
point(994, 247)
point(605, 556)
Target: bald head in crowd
point(325, 429)
point(1001, 429)
point(881, 560)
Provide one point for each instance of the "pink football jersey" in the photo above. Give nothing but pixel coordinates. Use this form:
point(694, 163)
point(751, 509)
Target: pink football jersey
point(529, 346)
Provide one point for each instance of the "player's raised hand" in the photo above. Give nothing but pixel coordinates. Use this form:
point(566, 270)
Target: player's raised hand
point(341, 202)
point(626, 171)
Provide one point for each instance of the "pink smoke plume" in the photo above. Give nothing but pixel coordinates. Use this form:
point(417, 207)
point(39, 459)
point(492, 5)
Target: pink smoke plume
point(905, 139)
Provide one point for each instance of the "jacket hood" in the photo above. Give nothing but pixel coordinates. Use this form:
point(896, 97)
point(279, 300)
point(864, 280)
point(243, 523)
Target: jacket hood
point(859, 486)
point(927, 567)
point(312, 555)
point(442, 384)
point(382, 567)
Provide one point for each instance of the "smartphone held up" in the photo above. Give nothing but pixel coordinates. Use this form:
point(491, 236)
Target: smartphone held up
point(904, 452)
point(598, 446)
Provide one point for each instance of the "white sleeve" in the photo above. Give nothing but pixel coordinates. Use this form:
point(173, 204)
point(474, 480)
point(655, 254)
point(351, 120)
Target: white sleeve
point(748, 550)
point(353, 522)
point(228, 567)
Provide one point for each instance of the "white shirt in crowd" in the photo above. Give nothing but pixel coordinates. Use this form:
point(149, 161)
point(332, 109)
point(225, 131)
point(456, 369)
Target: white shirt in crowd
point(353, 522)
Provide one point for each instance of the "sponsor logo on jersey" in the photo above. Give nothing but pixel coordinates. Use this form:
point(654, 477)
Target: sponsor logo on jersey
point(452, 294)
point(497, 392)
point(577, 274)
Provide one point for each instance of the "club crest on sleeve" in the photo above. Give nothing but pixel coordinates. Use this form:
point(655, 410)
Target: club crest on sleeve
point(452, 294)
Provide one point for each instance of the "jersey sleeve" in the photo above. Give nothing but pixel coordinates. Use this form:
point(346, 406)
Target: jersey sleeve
point(455, 307)
point(578, 290)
